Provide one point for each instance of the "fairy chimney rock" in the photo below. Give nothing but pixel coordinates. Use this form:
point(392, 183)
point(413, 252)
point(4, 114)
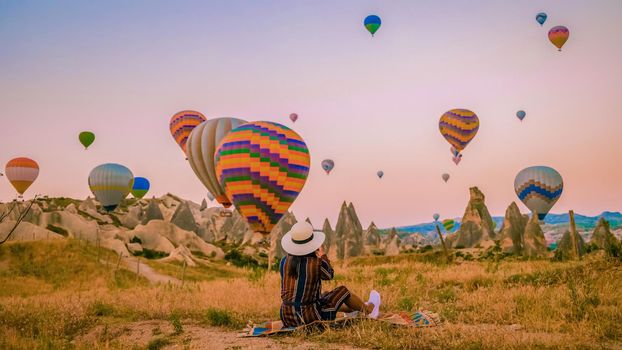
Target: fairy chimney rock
point(513, 229)
point(477, 226)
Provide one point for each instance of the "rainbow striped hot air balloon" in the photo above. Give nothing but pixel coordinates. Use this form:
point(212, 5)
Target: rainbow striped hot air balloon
point(262, 167)
point(449, 225)
point(182, 124)
point(140, 187)
point(458, 127)
point(110, 183)
point(558, 36)
point(21, 173)
point(539, 187)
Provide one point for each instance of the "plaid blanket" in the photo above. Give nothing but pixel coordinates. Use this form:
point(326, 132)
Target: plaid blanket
point(416, 319)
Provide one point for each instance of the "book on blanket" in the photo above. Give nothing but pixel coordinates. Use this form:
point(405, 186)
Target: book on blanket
point(417, 319)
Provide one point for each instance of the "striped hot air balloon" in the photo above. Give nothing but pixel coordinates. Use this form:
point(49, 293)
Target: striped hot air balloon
point(459, 127)
point(182, 124)
point(436, 216)
point(328, 165)
point(539, 187)
point(558, 36)
point(449, 224)
point(110, 183)
point(200, 149)
point(140, 187)
point(263, 167)
point(21, 173)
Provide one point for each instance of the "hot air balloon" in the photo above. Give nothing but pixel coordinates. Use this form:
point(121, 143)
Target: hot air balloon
point(86, 138)
point(182, 124)
point(521, 115)
point(210, 196)
point(445, 177)
point(140, 187)
point(457, 158)
point(293, 117)
point(201, 146)
point(459, 127)
point(21, 173)
point(454, 151)
point(539, 187)
point(328, 165)
point(110, 183)
point(449, 224)
point(380, 174)
point(372, 23)
point(558, 36)
point(436, 216)
point(263, 167)
point(541, 18)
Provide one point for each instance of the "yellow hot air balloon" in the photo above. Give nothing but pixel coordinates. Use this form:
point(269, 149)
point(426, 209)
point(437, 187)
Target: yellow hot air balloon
point(22, 172)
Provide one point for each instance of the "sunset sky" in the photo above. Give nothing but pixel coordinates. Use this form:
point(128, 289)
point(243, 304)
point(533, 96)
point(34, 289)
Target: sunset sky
point(122, 68)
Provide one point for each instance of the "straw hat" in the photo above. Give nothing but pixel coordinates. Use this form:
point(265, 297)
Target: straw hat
point(302, 239)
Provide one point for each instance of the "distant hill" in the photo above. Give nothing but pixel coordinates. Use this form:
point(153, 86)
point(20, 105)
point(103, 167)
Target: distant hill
point(582, 221)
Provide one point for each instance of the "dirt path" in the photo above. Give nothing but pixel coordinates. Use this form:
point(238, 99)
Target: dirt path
point(147, 272)
point(161, 335)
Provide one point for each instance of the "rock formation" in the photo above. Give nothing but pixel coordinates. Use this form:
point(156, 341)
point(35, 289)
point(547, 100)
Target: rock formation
point(565, 247)
point(372, 236)
point(26, 232)
point(533, 244)
point(183, 218)
point(282, 227)
point(330, 244)
point(203, 205)
point(513, 229)
point(477, 226)
point(393, 244)
point(153, 212)
point(602, 236)
point(348, 233)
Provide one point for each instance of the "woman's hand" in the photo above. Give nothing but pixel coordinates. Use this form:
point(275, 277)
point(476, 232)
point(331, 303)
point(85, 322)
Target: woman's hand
point(319, 252)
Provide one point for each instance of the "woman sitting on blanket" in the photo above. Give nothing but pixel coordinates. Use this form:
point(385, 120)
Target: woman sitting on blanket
point(302, 271)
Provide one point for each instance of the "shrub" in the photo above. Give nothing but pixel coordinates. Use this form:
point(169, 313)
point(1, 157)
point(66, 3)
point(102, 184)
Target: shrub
point(100, 309)
point(221, 318)
point(61, 231)
point(158, 343)
point(136, 239)
point(240, 260)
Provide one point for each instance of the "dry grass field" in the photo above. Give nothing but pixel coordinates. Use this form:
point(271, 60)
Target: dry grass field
point(59, 295)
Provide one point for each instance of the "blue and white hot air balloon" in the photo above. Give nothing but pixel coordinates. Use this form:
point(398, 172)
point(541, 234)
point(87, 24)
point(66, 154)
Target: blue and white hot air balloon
point(539, 187)
point(110, 183)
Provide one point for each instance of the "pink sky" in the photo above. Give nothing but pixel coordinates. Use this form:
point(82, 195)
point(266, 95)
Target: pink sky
point(121, 70)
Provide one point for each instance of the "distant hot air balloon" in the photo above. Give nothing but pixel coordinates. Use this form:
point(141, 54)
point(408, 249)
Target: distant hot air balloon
point(459, 127)
point(457, 158)
point(328, 165)
point(201, 146)
point(539, 187)
point(182, 124)
point(293, 117)
point(521, 115)
point(110, 183)
point(454, 151)
point(86, 138)
point(449, 224)
point(210, 196)
point(263, 167)
point(372, 23)
point(21, 173)
point(380, 174)
point(140, 187)
point(436, 216)
point(558, 36)
point(541, 18)
point(445, 177)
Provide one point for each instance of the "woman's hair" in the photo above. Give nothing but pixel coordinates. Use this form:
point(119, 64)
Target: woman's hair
point(294, 264)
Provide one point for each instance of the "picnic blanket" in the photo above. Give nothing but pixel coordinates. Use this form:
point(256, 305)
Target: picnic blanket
point(417, 319)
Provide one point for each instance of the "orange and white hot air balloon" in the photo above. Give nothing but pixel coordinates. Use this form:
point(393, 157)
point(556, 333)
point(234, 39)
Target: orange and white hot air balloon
point(21, 173)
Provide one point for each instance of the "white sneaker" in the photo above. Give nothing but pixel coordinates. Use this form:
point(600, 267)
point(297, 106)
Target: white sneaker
point(374, 298)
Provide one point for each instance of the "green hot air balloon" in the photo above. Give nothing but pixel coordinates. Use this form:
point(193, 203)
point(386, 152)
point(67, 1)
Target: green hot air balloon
point(86, 138)
point(372, 24)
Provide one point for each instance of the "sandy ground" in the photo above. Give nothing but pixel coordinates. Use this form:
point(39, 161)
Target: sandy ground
point(193, 336)
point(147, 272)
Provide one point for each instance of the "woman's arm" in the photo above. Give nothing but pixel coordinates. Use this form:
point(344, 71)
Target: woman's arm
point(326, 270)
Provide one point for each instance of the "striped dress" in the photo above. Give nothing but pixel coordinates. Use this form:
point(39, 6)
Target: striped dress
point(303, 301)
